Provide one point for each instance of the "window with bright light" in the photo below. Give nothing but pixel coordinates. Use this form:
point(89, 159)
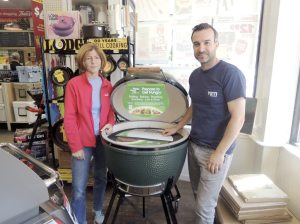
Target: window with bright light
point(165, 27)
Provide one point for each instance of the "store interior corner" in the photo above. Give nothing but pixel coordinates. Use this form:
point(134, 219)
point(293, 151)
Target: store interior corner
point(148, 176)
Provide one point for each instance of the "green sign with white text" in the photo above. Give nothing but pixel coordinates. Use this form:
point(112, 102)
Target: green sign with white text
point(146, 100)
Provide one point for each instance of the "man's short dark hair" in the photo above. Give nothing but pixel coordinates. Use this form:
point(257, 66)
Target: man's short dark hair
point(205, 26)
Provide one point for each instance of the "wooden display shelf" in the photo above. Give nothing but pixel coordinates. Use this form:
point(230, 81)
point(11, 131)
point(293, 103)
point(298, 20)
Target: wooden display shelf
point(8, 98)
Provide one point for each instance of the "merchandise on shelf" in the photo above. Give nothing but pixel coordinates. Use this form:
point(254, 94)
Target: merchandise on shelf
point(62, 24)
point(39, 145)
point(29, 73)
point(24, 135)
point(8, 76)
point(21, 89)
point(23, 115)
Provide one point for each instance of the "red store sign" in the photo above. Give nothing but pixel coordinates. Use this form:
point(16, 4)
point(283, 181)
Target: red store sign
point(14, 13)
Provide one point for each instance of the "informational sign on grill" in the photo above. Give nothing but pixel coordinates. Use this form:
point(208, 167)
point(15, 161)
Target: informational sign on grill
point(146, 100)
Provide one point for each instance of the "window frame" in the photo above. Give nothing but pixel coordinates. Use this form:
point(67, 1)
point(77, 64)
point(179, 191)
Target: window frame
point(295, 130)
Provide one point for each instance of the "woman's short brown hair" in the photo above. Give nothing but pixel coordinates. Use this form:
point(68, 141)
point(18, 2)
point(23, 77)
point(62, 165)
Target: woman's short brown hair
point(86, 48)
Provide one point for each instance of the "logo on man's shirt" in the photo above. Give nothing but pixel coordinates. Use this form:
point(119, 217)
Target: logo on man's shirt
point(212, 94)
point(106, 94)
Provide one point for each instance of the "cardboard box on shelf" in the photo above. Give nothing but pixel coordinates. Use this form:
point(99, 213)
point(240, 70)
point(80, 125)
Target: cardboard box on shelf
point(38, 149)
point(64, 158)
point(23, 115)
point(65, 166)
point(65, 174)
point(24, 135)
point(29, 73)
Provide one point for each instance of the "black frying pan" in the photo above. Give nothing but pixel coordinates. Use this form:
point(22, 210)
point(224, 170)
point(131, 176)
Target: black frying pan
point(110, 66)
point(60, 75)
point(58, 135)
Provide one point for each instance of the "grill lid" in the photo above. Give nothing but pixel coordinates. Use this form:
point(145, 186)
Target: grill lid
point(150, 96)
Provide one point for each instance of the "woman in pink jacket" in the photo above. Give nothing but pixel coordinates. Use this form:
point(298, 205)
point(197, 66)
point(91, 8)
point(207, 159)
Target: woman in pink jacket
point(87, 113)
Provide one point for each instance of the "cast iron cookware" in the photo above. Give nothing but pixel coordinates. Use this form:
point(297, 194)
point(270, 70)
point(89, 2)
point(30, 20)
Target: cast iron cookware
point(60, 75)
point(110, 66)
point(123, 63)
point(58, 135)
point(64, 26)
point(95, 30)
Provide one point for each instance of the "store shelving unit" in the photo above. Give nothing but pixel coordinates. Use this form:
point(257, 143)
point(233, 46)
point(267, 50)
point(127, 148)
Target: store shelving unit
point(11, 41)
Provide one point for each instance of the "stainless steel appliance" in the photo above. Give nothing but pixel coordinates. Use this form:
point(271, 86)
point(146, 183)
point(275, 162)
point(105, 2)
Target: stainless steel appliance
point(31, 192)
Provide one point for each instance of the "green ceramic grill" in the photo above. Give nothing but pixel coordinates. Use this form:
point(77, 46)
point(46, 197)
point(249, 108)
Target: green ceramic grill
point(139, 157)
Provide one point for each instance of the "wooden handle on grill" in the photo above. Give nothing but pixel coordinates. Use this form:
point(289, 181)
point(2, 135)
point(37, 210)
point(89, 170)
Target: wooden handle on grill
point(143, 70)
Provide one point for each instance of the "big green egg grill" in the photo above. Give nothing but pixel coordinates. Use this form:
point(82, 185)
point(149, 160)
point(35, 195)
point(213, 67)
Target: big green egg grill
point(139, 157)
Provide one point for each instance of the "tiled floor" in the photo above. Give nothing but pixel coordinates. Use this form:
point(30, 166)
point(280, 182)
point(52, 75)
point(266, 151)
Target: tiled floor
point(131, 210)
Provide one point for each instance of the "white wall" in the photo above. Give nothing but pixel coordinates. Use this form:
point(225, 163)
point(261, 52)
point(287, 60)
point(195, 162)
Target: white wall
point(288, 176)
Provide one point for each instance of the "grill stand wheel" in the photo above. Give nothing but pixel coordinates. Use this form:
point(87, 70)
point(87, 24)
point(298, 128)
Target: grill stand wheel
point(166, 196)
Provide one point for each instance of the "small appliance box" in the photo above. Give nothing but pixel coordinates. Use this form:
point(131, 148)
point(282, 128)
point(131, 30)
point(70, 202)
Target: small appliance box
point(62, 24)
point(24, 135)
point(29, 73)
point(23, 115)
point(21, 88)
point(38, 149)
point(64, 157)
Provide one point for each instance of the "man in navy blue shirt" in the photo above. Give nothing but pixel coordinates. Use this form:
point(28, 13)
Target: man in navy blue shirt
point(217, 113)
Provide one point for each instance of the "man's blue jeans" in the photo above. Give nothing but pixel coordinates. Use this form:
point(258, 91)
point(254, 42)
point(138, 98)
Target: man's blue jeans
point(80, 176)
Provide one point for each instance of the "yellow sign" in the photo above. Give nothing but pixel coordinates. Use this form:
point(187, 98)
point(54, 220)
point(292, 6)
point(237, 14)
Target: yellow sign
point(73, 45)
point(110, 43)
